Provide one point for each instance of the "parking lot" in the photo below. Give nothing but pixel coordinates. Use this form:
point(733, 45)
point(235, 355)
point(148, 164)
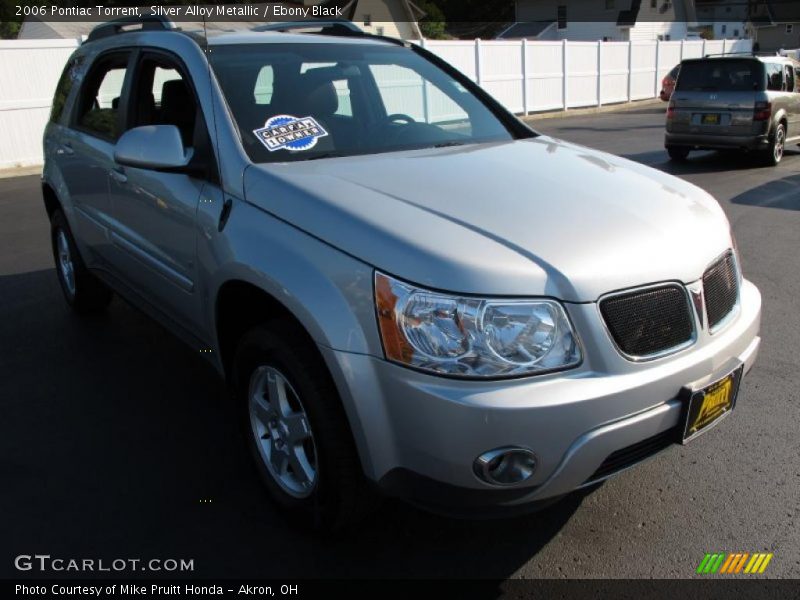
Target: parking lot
point(117, 441)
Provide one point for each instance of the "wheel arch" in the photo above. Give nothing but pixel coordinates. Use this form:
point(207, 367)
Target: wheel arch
point(241, 305)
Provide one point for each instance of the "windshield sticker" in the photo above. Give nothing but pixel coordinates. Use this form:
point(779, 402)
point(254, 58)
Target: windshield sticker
point(285, 132)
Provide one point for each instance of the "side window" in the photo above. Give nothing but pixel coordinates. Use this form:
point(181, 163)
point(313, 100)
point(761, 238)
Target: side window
point(790, 83)
point(264, 85)
point(161, 96)
point(402, 92)
point(64, 87)
point(98, 103)
point(774, 77)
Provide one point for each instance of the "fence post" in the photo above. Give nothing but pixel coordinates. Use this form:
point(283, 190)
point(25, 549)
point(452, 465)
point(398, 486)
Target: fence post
point(599, 73)
point(682, 41)
point(725, 46)
point(630, 70)
point(525, 76)
point(478, 61)
point(658, 60)
point(704, 48)
point(565, 72)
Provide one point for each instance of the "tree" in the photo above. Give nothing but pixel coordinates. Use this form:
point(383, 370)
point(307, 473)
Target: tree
point(475, 18)
point(433, 23)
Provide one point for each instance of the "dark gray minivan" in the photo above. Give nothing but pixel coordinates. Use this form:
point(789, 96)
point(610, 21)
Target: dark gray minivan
point(735, 102)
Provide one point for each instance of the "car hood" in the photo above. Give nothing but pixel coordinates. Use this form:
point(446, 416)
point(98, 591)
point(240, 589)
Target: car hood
point(528, 217)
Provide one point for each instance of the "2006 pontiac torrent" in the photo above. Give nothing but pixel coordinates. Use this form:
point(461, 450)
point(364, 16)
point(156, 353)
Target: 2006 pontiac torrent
point(406, 287)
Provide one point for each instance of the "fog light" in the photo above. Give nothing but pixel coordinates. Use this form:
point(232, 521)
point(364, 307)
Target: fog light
point(505, 466)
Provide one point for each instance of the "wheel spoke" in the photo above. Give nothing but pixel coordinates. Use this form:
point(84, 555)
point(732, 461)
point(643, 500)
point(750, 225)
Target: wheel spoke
point(276, 386)
point(301, 468)
point(278, 459)
point(262, 410)
point(297, 426)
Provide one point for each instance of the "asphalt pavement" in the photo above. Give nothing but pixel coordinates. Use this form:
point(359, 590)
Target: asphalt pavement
point(117, 441)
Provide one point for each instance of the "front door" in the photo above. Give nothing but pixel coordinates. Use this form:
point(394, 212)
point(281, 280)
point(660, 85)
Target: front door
point(155, 232)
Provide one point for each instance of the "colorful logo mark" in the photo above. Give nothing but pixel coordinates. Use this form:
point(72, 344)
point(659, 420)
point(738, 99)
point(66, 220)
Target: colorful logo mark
point(730, 564)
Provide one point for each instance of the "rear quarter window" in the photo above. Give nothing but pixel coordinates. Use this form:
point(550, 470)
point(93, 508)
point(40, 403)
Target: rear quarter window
point(69, 77)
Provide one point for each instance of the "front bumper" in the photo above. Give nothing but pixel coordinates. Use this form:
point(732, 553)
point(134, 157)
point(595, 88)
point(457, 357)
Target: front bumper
point(712, 142)
point(419, 434)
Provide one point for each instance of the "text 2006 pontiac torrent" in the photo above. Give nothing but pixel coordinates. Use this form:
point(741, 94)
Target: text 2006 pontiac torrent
point(406, 287)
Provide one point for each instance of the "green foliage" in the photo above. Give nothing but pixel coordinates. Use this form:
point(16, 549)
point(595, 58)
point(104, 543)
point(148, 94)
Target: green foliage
point(433, 24)
point(9, 30)
point(9, 23)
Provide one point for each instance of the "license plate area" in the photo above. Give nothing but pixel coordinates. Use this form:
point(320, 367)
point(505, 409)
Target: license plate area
point(710, 404)
point(710, 119)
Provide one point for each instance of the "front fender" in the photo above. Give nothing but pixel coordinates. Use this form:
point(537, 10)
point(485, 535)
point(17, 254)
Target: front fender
point(329, 292)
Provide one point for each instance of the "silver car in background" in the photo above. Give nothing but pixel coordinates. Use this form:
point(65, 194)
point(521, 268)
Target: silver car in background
point(453, 310)
point(735, 102)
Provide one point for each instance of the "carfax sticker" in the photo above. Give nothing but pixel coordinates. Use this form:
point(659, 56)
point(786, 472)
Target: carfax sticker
point(285, 132)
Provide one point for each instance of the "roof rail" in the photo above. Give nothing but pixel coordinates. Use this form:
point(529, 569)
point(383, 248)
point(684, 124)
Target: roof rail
point(321, 23)
point(335, 27)
point(150, 22)
point(748, 53)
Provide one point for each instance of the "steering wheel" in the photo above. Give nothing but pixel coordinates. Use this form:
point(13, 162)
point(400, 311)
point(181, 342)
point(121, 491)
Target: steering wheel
point(400, 117)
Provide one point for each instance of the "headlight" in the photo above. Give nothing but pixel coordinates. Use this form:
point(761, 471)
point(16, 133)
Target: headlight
point(472, 337)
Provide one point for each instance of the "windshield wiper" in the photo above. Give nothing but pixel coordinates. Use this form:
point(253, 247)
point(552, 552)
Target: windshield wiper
point(323, 155)
point(448, 144)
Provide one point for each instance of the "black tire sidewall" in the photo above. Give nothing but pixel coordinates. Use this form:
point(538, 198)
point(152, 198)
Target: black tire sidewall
point(678, 153)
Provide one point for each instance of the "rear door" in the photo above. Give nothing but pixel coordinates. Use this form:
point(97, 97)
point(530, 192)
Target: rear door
point(86, 148)
point(792, 100)
point(717, 96)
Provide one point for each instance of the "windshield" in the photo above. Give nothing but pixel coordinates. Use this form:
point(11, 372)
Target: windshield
point(304, 101)
point(721, 75)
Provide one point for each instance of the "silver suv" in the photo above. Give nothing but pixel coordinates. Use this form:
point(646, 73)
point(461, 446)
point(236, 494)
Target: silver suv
point(735, 102)
point(406, 288)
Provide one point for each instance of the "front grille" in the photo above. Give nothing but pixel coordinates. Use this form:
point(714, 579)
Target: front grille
point(630, 455)
point(721, 289)
point(649, 322)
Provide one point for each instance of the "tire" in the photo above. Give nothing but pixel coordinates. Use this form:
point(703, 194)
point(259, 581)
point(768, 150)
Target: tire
point(84, 292)
point(316, 479)
point(777, 143)
point(678, 153)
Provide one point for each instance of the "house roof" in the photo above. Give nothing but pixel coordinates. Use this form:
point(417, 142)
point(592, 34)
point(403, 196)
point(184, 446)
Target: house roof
point(524, 29)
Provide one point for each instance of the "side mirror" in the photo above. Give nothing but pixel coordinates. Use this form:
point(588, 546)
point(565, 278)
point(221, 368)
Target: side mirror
point(156, 147)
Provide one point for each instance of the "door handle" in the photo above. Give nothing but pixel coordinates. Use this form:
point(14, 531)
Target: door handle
point(118, 175)
point(65, 148)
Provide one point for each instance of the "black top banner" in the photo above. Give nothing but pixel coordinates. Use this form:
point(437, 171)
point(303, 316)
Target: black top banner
point(625, 13)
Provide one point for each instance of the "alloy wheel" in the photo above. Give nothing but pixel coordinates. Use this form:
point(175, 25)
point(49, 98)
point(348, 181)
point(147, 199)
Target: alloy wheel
point(66, 266)
point(282, 432)
point(780, 142)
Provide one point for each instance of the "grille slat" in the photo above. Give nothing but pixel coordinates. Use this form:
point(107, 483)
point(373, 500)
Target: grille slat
point(649, 322)
point(721, 289)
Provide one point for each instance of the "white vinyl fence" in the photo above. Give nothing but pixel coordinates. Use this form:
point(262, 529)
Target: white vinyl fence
point(536, 76)
point(29, 72)
point(525, 76)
